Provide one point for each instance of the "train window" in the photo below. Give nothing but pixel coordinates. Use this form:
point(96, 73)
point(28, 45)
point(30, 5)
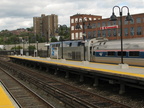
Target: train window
point(111, 53)
point(119, 53)
point(134, 53)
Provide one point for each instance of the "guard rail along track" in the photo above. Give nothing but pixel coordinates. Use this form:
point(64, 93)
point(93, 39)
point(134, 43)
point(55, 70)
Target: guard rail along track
point(69, 95)
point(23, 96)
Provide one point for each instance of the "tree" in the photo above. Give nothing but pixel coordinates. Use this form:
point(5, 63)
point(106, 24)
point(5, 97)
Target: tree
point(31, 47)
point(53, 39)
point(16, 48)
point(64, 32)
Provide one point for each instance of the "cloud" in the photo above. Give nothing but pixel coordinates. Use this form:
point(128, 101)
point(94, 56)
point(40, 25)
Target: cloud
point(19, 13)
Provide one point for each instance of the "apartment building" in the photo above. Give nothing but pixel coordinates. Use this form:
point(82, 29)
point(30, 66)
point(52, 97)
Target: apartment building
point(106, 28)
point(45, 25)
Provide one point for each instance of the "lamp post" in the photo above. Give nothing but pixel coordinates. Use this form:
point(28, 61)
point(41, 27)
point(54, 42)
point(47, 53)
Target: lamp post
point(114, 18)
point(83, 29)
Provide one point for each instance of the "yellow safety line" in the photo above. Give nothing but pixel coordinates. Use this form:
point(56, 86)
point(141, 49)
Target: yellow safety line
point(90, 68)
point(5, 102)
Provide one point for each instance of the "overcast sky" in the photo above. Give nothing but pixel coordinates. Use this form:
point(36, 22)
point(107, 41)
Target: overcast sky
point(19, 13)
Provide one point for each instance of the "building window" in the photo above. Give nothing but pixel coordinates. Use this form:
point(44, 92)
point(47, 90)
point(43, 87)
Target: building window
point(132, 21)
point(132, 31)
point(103, 33)
point(85, 26)
point(76, 20)
point(119, 32)
point(89, 35)
point(113, 22)
point(119, 22)
point(72, 27)
point(72, 36)
point(125, 22)
point(99, 33)
point(138, 20)
point(109, 32)
point(98, 25)
point(94, 25)
point(94, 33)
point(139, 30)
point(90, 18)
point(103, 24)
point(76, 36)
point(108, 23)
point(81, 35)
point(126, 31)
point(114, 32)
point(72, 20)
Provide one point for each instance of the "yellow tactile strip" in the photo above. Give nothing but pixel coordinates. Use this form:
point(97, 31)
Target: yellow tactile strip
point(5, 101)
point(84, 67)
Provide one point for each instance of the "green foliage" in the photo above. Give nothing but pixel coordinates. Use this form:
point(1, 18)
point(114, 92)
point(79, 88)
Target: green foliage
point(16, 48)
point(53, 39)
point(8, 37)
point(31, 47)
point(64, 33)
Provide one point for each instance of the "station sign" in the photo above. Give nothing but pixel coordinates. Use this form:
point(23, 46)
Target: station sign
point(109, 27)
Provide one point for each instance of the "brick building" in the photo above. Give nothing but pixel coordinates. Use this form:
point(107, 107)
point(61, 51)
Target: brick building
point(106, 28)
point(45, 25)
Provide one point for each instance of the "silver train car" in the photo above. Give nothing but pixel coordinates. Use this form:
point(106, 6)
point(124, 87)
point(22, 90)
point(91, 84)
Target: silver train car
point(73, 50)
point(132, 48)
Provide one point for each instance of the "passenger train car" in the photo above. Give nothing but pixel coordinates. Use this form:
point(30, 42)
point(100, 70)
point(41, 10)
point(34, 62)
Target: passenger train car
point(132, 48)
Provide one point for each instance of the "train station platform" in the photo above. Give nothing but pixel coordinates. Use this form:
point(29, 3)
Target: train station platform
point(113, 73)
point(6, 101)
point(131, 71)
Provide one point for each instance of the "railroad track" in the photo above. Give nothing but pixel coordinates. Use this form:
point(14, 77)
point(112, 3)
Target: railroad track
point(24, 97)
point(69, 95)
